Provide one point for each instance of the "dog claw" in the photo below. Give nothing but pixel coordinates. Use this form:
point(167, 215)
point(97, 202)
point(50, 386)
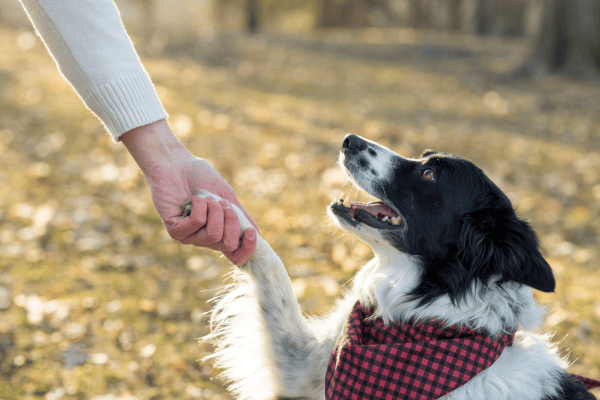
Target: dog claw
point(187, 209)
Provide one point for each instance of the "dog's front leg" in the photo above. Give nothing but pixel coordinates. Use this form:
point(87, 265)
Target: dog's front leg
point(259, 322)
point(298, 363)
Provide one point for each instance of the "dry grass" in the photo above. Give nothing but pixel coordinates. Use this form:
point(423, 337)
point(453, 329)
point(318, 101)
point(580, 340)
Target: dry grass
point(97, 302)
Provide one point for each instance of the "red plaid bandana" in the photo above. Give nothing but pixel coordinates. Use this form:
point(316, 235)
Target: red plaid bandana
point(588, 382)
point(409, 361)
point(406, 361)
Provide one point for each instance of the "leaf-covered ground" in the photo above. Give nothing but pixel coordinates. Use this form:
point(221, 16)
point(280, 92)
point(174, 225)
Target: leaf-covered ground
point(96, 302)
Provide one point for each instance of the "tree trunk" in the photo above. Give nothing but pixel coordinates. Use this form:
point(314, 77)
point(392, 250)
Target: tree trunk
point(420, 14)
point(253, 12)
point(455, 15)
point(357, 12)
point(346, 13)
point(568, 42)
point(328, 12)
point(483, 17)
point(391, 17)
point(500, 17)
point(148, 16)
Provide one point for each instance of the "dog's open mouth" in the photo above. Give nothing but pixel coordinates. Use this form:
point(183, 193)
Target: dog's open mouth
point(376, 214)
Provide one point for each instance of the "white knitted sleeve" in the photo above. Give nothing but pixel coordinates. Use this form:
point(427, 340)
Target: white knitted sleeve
point(92, 50)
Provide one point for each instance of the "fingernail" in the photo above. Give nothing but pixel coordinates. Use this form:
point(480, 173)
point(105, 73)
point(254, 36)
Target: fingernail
point(252, 234)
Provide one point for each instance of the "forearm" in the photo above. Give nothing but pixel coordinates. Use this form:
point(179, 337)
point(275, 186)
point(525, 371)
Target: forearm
point(92, 50)
point(154, 145)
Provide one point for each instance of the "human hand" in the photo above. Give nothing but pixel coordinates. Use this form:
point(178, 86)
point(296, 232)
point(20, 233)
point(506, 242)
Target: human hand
point(211, 224)
point(174, 176)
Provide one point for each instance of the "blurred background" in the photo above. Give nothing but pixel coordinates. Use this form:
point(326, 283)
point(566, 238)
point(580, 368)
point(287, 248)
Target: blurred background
point(97, 302)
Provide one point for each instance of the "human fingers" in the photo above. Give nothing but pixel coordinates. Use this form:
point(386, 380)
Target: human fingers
point(211, 233)
point(215, 222)
point(235, 201)
point(231, 228)
point(247, 247)
point(184, 227)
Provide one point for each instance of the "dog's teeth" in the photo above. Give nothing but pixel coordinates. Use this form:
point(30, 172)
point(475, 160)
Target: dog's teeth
point(344, 200)
point(396, 220)
point(385, 219)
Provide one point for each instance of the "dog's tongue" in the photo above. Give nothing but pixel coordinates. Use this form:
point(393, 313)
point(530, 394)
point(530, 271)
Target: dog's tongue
point(377, 209)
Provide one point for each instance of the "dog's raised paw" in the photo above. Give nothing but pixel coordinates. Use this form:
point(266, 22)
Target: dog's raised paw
point(186, 210)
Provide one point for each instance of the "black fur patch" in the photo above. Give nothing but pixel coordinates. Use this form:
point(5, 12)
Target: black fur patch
point(571, 389)
point(463, 228)
point(461, 225)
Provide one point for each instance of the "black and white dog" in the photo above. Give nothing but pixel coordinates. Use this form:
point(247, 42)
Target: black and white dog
point(448, 246)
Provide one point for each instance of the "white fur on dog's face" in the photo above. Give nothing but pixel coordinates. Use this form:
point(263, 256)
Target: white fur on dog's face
point(367, 234)
point(386, 281)
point(368, 174)
point(376, 167)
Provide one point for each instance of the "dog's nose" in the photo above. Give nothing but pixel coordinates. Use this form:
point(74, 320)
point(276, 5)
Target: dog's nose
point(353, 142)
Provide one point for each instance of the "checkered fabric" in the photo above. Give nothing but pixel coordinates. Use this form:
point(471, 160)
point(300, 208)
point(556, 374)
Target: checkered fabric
point(588, 382)
point(406, 361)
point(409, 361)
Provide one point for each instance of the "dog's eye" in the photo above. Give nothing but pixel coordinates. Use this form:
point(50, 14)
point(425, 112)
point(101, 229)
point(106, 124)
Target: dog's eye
point(428, 174)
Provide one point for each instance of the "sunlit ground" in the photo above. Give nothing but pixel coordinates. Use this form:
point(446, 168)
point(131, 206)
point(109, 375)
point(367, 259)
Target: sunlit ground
point(97, 302)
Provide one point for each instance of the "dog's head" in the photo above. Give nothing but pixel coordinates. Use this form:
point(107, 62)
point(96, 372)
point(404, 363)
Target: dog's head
point(444, 211)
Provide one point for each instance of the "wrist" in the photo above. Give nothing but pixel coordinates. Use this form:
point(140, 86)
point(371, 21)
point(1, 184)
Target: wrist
point(153, 146)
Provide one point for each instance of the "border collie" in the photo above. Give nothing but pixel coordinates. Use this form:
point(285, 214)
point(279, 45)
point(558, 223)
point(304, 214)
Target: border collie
point(448, 247)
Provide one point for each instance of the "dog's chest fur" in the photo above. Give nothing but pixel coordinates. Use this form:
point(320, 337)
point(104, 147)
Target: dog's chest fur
point(267, 350)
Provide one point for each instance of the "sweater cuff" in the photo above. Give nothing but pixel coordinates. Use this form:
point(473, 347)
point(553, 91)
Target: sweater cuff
point(125, 103)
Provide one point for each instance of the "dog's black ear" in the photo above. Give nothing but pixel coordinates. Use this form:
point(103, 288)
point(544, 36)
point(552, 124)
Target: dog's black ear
point(427, 153)
point(495, 242)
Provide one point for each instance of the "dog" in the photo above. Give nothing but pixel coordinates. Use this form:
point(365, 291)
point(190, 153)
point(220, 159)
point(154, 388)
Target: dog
point(448, 247)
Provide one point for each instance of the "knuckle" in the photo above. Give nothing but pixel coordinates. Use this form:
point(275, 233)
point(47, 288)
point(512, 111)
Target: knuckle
point(174, 234)
point(199, 219)
point(214, 235)
point(215, 209)
point(231, 214)
point(208, 246)
point(198, 201)
point(231, 245)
